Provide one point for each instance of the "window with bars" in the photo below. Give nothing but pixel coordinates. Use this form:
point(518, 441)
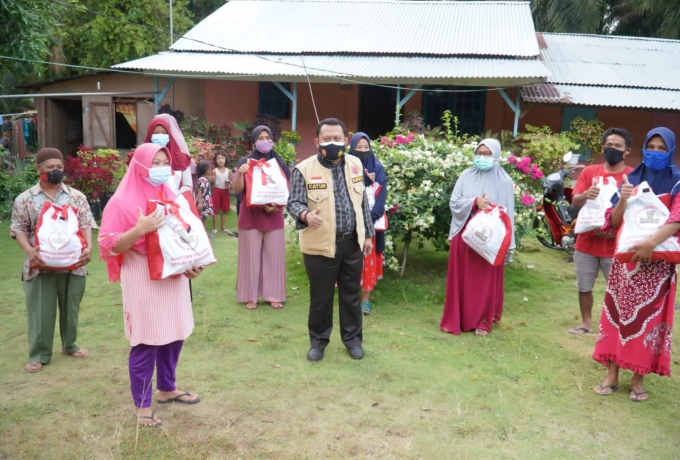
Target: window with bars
point(272, 100)
point(467, 103)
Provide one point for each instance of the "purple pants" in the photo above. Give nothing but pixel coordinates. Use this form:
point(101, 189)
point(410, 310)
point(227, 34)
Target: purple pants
point(141, 365)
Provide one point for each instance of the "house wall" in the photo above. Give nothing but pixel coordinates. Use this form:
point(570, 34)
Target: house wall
point(499, 116)
point(235, 101)
point(185, 95)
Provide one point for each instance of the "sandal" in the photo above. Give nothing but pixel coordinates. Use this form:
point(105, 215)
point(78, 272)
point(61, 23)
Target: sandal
point(276, 305)
point(251, 306)
point(214, 231)
point(605, 390)
point(637, 395)
point(366, 308)
point(152, 417)
point(82, 353)
point(177, 399)
point(33, 367)
point(481, 332)
point(579, 331)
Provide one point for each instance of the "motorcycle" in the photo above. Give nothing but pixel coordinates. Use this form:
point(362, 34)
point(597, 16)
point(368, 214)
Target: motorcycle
point(555, 229)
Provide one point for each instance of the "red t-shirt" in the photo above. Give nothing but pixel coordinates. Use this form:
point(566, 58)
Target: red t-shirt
point(590, 243)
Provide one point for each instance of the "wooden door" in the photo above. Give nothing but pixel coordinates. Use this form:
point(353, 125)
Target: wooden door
point(145, 112)
point(101, 125)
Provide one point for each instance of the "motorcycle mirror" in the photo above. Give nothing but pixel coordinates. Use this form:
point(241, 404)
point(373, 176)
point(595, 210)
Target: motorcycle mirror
point(567, 156)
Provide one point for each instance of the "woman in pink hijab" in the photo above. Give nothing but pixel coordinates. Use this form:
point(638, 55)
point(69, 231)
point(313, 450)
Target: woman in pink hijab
point(157, 314)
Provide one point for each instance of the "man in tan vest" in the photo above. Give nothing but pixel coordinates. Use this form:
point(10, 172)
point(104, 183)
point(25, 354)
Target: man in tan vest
point(328, 202)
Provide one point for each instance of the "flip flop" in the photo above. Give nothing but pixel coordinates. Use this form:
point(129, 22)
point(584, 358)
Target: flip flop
point(33, 367)
point(251, 306)
point(176, 399)
point(82, 353)
point(575, 331)
point(637, 396)
point(603, 389)
point(151, 417)
point(366, 308)
point(276, 305)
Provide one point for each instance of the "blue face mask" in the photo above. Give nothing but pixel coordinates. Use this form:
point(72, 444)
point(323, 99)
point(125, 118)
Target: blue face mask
point(160, 139)
point(655, 160)
point(483, 163)
point(159, 175)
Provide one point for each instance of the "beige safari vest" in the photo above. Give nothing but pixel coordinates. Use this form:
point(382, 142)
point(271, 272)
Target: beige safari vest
point(319, 182)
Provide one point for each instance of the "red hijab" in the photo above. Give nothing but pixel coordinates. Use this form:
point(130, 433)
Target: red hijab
point(177, 146)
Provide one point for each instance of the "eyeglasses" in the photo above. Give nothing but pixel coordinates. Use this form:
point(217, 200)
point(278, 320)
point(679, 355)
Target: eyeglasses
point(484, 154)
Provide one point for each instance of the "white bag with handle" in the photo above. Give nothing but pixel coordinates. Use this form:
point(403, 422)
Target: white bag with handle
point(645, 214)
point(592, 214)
point(489, 234)
point(266, 184)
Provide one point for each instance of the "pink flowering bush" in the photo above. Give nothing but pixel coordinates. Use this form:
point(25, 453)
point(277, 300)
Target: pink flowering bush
point(527, 177)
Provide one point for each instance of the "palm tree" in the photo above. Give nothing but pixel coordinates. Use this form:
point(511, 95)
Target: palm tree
point(650, 18)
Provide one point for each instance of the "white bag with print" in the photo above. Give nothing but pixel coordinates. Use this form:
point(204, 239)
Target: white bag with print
point(592, 214)
point(645, 214)
point(179, 244)
point(59, 237)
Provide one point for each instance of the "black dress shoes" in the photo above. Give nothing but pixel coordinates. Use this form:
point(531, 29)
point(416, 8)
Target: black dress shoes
point(315, 354)
point(356, 352)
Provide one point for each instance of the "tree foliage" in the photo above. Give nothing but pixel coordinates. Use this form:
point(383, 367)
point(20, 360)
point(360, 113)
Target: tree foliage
point(140, 28)
point(27, 28)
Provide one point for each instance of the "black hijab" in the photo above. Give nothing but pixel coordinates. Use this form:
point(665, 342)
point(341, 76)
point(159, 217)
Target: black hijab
point(267, 156)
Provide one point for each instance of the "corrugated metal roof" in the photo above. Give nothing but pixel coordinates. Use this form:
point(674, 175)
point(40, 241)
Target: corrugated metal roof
point(387, 69)
point(612, 61)
point(598, 96)
point(482, 28)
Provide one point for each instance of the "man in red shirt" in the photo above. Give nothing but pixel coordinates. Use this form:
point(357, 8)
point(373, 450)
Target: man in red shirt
point(594, 251)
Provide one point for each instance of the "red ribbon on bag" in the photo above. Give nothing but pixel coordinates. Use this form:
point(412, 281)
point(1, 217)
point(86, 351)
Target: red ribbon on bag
point(59, 211)
point(262, 163)
point(172, 208)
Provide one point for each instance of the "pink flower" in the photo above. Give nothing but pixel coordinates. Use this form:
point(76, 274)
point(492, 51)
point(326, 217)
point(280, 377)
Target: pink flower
point(526, 161)
point(512, 159)
point(400, 139)
point(393, 211)
point(527, 199)
point(534, 167)
point(523, 168)
point(384, 140)
point(538, 174)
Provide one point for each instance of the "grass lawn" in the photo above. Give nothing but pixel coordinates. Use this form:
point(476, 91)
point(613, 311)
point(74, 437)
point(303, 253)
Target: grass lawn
point(523, 392)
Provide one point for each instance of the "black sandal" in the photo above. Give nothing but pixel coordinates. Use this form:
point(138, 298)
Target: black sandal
point(151, 417)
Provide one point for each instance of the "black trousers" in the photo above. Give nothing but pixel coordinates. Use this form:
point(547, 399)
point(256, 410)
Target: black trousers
point(346, 268)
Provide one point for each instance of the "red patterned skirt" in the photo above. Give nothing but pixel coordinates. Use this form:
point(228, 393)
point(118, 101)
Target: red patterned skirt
point(636, 326)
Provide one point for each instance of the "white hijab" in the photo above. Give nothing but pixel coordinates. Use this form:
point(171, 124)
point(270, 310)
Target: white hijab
point(474, 182)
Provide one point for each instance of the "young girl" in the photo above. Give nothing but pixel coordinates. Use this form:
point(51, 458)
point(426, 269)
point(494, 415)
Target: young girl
point(221, 200)
point(204, 198)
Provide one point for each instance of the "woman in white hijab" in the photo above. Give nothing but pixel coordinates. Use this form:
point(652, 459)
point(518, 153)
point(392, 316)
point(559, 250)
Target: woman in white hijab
point(474, 288)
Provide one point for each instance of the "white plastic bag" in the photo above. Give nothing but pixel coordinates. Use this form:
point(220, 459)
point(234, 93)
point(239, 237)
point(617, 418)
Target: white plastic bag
point(59, 236)
point(489, 234)
point(592, 214)
point(266, 184)
point(179, 244)
point(645, 214)
point(372, 191)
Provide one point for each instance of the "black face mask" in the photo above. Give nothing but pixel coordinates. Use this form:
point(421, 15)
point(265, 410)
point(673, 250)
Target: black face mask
point(613, 156)
point(363, 156)
point(331, 151)
point(53, 177)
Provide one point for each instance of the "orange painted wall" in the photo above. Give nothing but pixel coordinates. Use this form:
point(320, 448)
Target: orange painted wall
point(229, 101)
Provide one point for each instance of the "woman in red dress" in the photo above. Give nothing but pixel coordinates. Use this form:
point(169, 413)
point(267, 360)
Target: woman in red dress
point(474, 288)
point(636, 326)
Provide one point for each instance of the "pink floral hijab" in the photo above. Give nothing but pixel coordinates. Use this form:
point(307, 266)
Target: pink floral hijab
point(120, 214)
